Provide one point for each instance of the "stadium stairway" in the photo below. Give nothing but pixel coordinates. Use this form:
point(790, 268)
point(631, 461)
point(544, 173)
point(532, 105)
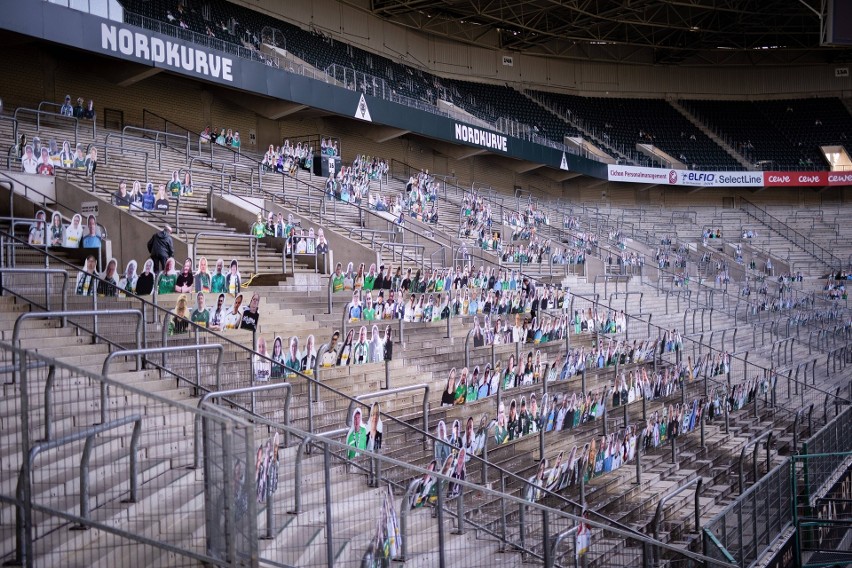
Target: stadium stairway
point(711, 135)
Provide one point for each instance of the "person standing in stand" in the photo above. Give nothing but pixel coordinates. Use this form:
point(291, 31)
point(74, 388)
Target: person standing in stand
point(161, 248)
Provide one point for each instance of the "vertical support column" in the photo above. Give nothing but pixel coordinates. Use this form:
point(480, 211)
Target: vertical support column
point(442, 562)
point(329, 544)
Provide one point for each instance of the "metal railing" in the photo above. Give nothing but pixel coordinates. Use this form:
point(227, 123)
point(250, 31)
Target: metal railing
point(106, 147)
point(24, 553)
point(95, 314)
point(97, 453)
point(252, 240)
point(53, 116)
point(792, 235)
point(511, 520)
point(747, 528)
point(252, 391)
point(224, 340)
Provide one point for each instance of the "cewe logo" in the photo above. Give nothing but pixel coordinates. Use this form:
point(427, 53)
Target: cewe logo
point(840, 178)
point(809, 179)
point(672, 177)
point(779, 179)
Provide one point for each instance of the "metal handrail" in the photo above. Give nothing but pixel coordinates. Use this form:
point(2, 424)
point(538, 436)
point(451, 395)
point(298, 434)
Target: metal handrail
point(224, 340)
point(766, 435)
point(393, 246)
point(623, 532)
point(157, 134)
point(834, 261)
point(390, 392)
point(236, 236)
point(39, 113)
point(558, 540)
point(658, 514)
point(46, 199)
point(224, 163)
point(161, 350)
point(47, 272)
point(63, 315)
point(107, 147)
point(246, 390)
point(23, 492)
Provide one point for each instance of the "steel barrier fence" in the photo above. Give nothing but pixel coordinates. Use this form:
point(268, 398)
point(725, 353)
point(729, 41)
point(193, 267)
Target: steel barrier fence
point(125, 477)
point(747, 528)
point(823, 519)
point(832, 439)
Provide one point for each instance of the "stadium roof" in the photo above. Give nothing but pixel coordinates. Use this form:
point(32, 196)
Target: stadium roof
point(649, 31)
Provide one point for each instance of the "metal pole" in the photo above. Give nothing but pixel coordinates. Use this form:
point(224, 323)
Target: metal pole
point(442, 562)
point(639, 446)
point(545, 537)
point(503, 512)
point(329, 544)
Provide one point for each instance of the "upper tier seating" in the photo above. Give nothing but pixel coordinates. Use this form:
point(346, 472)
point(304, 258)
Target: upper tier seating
point(239, 25)
point(493, 102)
point(773, 134)
point(625, 122)
point(782, 134)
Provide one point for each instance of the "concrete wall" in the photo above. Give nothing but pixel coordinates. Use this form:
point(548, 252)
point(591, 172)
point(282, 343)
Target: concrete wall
point(25, 183)
point(128, 234)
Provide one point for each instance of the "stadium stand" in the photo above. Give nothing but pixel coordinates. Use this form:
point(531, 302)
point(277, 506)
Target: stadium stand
point(541, 418)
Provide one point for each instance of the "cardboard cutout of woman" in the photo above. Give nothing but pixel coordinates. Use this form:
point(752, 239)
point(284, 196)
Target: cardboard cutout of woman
point(375, 428)
point(345, 356)
point(74, 232)
point(233, 280)
point(277, 369)
point(185, 279)
point(356, 438)
point(260, 465)
point(442, 445)
point(459, 472)
point(179, 323)
point(38, 230)
point(293, 360)
point(56, 233)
